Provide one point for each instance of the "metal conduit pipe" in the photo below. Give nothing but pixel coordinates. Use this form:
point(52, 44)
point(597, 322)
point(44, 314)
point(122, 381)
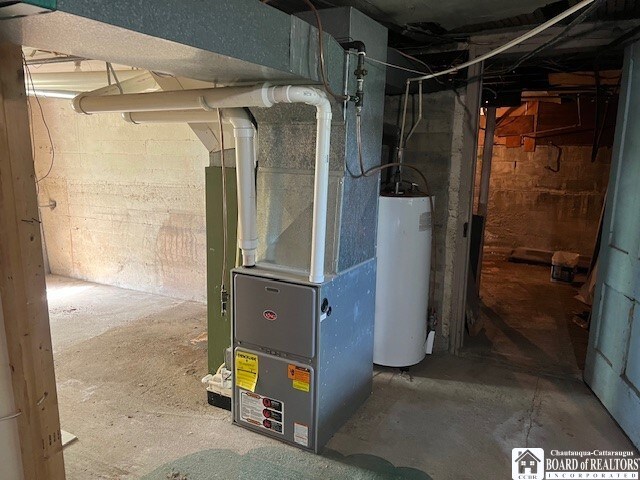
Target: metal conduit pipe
point(154, 107)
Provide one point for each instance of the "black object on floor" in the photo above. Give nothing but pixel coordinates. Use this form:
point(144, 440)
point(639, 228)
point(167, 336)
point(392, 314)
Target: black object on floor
point(217, 400)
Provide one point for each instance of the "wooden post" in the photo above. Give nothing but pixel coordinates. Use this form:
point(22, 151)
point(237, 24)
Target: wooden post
point(483, 194)
point(22, 282)
point(487, 156)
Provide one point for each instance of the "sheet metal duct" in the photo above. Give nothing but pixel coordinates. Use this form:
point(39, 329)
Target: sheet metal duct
point(253, 41)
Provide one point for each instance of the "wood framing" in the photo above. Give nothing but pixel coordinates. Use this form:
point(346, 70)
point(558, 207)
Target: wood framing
point(22, 282)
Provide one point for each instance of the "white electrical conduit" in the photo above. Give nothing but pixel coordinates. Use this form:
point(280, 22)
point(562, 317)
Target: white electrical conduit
point(155, 107)
point(516, 41)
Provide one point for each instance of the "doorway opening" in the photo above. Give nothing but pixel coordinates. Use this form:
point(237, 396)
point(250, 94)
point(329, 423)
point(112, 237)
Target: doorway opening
point(122, 212)
point(538, 201)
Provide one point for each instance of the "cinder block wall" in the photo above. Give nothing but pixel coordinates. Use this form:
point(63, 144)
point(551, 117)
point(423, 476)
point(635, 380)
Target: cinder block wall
point(532, 206)
point(129, 201)
point(432, 148)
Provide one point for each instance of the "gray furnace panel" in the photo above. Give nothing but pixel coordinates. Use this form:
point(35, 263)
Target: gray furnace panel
point(316, 394)
point(282, 315)
point(277, 408)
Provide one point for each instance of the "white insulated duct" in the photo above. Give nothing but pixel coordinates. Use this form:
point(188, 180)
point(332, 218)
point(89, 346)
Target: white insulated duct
point(175, 106)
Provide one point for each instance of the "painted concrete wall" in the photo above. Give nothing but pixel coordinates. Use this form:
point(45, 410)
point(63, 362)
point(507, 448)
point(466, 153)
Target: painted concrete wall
point(531, 206)
point(435, 148)
point(130, 201)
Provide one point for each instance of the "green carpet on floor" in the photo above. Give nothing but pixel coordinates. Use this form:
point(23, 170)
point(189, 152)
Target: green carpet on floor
point(281, 463)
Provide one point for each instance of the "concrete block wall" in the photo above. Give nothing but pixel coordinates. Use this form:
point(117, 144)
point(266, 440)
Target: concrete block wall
point(130, 201)
point(531, 206)
point(432, 147)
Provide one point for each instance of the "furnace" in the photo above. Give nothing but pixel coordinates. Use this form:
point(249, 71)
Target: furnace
point(303, 353)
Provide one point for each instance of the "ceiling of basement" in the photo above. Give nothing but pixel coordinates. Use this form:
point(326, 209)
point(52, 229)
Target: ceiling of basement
point(449, 14)
point(408, 18)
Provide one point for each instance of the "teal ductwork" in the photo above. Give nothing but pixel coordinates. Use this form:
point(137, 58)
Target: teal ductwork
point(12, 9)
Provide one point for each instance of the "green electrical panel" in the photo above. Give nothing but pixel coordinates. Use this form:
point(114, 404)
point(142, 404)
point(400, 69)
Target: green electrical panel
point(219, 324)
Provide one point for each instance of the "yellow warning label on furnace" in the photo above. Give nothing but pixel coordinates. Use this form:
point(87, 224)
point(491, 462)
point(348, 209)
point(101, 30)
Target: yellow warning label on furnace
point(246, 370)
point(301, 377)
point(298, 385)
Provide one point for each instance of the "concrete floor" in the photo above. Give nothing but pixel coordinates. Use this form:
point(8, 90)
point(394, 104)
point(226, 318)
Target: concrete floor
point(129, 366)
point(528, 320)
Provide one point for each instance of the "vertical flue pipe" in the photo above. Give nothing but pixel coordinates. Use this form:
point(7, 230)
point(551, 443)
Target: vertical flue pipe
point(317, 98)
point(228, 98)
point(245, 133)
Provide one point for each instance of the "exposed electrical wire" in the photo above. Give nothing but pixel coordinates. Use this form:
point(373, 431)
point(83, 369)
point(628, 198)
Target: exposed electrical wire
point(516, 41)
point(379, 168)
point(322, 66)
point(10, 417)
point(417, 60)
point(374, 60)
point(44, 121)
point(115, 77)
point(481, 58)
point(223, 273)
point(550, 43)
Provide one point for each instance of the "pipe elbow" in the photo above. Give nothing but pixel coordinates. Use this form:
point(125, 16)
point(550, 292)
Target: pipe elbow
point(240, 121)
point(76, 103)
point(298, 94)
point(355, 45)
point(127, 117)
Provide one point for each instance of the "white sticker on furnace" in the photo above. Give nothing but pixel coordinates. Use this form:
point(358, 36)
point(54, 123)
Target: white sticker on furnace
point(301, 434)
point(262, 412)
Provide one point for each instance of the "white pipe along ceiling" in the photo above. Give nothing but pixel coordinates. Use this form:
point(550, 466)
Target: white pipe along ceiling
point(196, 106)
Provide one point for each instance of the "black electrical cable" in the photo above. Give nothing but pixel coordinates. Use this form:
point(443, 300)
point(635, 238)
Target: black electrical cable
point(225, 227)
point(323, 66)
point(560, 36)
point(44, 121)
point(379, 168)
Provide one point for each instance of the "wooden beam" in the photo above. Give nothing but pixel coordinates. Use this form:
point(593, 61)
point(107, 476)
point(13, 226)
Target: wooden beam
point(607, 77)
point(22, 282)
